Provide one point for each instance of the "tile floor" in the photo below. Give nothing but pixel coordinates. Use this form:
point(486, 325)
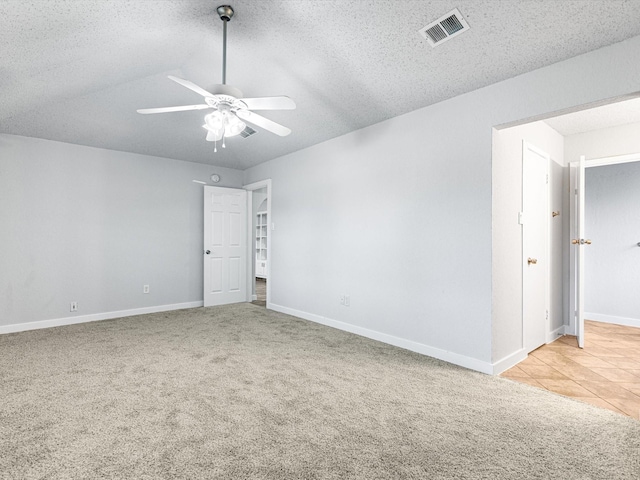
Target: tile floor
point(606, 373)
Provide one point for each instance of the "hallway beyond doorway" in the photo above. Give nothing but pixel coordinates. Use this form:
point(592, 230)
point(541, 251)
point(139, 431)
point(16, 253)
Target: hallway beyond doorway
point(261, 292)
point(606, 373)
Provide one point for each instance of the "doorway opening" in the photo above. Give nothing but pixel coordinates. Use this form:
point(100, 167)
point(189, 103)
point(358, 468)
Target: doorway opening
point(261, 292)
point(610, 279)
point(260, 259)
point(260, 227)
point(606, 373)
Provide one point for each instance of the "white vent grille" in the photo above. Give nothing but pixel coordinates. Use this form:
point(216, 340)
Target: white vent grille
point(446, 27)
point(247, 132)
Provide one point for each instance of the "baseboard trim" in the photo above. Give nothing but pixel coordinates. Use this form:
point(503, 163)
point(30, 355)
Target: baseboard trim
point(556, 334)
point(627, 322)
point(509, 361)
point(516, 357)
point(58, 322)
point(451, 357)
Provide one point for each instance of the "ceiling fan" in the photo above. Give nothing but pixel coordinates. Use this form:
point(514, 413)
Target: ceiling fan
point(231, 111)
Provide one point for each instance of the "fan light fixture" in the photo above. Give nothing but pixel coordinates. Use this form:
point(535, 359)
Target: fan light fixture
point(231, 111)
point(222, 124)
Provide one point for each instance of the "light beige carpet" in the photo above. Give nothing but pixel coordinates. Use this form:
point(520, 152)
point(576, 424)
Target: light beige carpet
point(242, 392)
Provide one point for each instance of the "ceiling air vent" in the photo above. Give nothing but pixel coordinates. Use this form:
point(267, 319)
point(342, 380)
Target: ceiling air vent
point(247, 132)
point(446, 27)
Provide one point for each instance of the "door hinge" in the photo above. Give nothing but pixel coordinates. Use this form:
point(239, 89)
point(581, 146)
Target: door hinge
point(547, 178)
point(547, 314)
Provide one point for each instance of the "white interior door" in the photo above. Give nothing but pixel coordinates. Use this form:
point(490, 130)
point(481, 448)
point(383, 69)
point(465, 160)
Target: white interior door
point(535, 246)
point(225, 246)
point(578, 243)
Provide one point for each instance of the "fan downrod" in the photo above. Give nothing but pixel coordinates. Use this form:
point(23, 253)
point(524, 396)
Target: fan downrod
point(225, 12)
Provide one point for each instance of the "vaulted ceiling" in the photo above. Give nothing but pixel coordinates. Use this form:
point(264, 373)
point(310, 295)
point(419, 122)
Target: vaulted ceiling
point(76, 71)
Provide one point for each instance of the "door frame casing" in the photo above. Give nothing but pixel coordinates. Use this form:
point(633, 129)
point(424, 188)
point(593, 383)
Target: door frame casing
point(251, 239)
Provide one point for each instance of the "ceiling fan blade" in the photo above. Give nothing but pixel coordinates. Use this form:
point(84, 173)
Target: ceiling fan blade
point(270, 103)
point(191, 86)
point(214, 136)
point(263, 122)
point(173, 109)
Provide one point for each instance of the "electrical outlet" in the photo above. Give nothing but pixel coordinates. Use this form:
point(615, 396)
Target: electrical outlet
point(145, 289)
point(342, 299)
point(73, 307)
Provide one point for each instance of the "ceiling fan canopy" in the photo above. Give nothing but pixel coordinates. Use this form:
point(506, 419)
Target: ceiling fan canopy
point(231, 112)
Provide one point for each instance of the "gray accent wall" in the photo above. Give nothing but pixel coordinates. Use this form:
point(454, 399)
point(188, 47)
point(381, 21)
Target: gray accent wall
point(612, 261)
point(611, 222)
point(93, 226)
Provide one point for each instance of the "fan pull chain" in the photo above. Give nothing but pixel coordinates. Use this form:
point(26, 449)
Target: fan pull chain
point(224, 130)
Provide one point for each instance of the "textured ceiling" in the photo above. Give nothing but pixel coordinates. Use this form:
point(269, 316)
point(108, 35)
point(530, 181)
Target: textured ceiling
point(612, 115)
point(76, 71)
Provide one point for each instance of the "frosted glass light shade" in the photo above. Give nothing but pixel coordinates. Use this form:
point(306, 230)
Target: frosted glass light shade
point(224, 123)
point(233, 125)
point(214, 121)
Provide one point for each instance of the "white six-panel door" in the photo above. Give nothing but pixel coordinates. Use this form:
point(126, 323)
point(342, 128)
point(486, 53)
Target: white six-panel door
point(225, 246)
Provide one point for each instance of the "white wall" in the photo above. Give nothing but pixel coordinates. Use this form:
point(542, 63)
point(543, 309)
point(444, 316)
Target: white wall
point(365, 214)
point(399, 215)
point(612, 261)
point(507, 232)
point(607, 142)
point(93, 226)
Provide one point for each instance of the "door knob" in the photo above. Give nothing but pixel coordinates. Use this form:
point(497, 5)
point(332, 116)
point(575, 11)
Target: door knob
point(208, 252)
point(532, 261)
point(582, 241)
